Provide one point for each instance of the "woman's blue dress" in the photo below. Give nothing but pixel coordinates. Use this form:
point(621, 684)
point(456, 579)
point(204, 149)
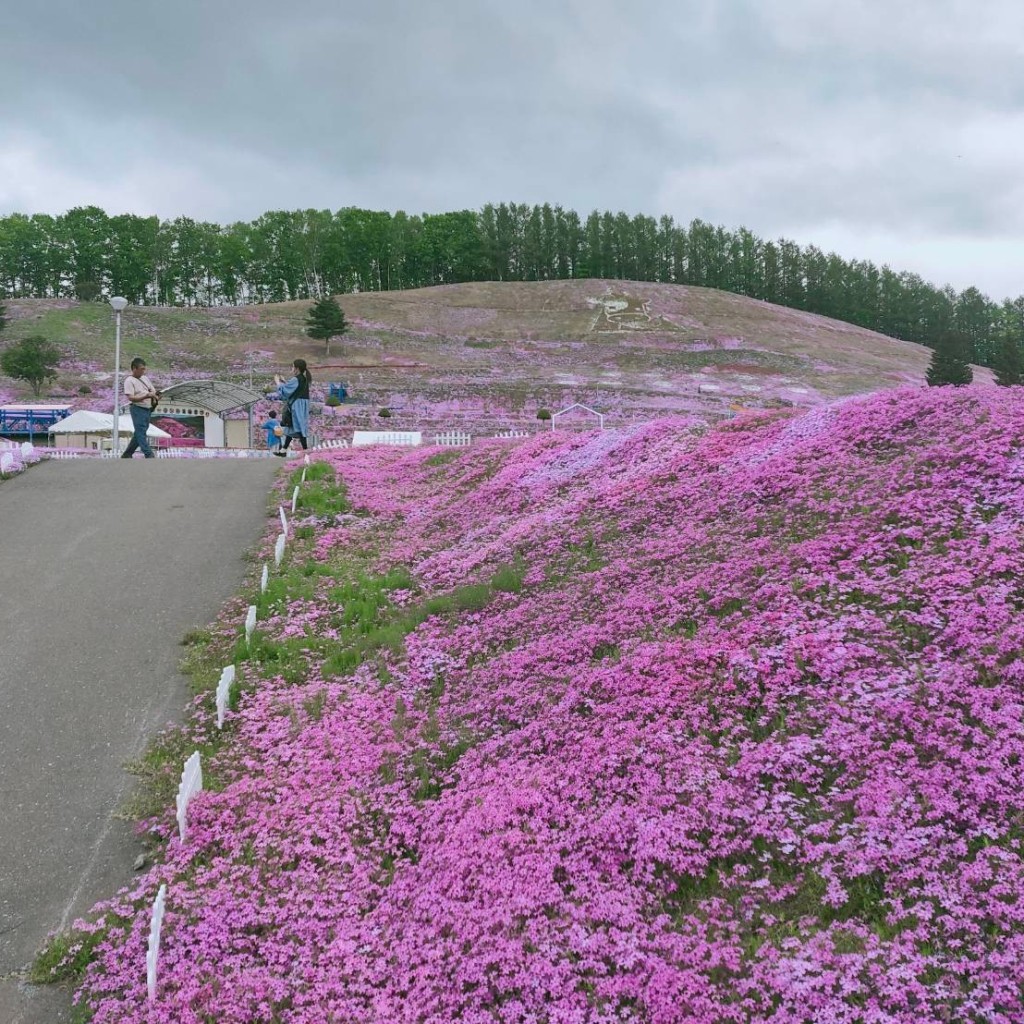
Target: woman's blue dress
point(300, 407)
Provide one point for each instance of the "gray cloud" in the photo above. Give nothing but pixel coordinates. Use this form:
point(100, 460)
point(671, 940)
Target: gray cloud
point(871, 127)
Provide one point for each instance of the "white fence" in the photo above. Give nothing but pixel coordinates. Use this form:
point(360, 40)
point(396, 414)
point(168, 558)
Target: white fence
point(397, 437)
point(506, 435)
point(332, 443)
point(213, 453)
point(453, 439)
point(70, 453)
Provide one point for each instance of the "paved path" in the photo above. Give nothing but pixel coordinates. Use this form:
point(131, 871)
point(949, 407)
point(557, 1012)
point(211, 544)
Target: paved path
point(103, 568)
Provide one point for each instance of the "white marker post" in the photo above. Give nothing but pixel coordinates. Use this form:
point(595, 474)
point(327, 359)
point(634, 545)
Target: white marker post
point(191, 783)
point(295, 497)
point(227, 678)
point(284, 520)
point(279, 550)
point(250, 624)
point(264, 579)
point(153, 952)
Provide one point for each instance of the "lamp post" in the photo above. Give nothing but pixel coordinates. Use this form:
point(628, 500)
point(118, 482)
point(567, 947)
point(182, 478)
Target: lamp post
point(117, 304)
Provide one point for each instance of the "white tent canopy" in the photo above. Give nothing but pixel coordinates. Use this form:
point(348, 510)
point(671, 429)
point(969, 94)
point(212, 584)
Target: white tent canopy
point(87, 422)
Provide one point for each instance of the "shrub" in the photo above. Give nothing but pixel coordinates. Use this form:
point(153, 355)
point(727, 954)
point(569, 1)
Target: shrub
point(384, 413)
point(332, 401)
point(85, 390)
point(543, 414)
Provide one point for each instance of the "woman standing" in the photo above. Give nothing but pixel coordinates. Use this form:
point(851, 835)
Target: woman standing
point(294, 392)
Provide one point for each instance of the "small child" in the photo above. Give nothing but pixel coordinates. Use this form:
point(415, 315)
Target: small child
point(274, 430)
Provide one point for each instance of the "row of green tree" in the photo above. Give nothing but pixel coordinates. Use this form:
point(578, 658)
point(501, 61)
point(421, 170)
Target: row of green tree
point(306, 254)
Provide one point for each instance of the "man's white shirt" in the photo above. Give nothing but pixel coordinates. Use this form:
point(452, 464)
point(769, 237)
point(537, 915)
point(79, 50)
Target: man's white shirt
point(136, 386)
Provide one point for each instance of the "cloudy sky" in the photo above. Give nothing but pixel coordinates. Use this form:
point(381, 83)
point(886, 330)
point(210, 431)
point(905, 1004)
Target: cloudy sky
point(890, 130)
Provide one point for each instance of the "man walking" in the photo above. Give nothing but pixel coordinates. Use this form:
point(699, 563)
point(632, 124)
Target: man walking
point(142, 398)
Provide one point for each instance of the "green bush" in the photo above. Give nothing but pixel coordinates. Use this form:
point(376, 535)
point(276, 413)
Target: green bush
point(332, 401)
point(543, 414)
point(85, 390)
point(384, 413)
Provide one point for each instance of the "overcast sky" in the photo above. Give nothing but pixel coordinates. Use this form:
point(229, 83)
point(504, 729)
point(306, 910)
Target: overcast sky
point(890, 130)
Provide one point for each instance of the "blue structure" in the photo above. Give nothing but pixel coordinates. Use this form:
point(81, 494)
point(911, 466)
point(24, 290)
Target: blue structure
point(29, 420)
point(338, 391)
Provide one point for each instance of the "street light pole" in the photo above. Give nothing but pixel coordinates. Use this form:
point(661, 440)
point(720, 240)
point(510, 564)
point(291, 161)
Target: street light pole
point(117, 304)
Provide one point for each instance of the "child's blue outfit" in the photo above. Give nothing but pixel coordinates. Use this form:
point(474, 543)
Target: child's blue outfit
point(272, 439)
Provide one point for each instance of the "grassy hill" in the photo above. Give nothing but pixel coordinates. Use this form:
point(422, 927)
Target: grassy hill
point(488, 355)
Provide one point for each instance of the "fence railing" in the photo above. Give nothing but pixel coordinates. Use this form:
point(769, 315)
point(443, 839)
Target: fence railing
point(453, 439)
point(396, 437)
point(213, 453)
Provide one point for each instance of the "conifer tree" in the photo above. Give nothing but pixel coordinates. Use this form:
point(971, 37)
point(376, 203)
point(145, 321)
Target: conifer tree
point(949, 363)
point(326, 320)
point(1007, 362)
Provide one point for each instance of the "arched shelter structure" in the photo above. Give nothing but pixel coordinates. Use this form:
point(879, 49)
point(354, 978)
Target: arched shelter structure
point(210, 400)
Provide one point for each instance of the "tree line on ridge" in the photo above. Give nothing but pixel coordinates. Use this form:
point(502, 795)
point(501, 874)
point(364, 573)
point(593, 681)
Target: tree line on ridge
point(307, 254)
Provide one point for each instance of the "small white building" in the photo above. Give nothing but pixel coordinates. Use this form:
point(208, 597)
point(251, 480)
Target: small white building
point(87, 429)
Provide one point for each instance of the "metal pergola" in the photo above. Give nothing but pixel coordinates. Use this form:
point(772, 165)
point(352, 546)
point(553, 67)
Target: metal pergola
point(218, 396)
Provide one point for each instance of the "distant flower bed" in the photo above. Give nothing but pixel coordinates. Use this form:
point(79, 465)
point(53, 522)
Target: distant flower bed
point(646, 725)
point(14, 457)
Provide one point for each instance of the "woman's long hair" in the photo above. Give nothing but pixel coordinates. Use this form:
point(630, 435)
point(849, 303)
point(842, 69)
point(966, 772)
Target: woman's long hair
point(301, 370)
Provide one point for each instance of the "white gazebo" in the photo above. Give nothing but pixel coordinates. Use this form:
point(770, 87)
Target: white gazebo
point(87, 429)
point(208, 401)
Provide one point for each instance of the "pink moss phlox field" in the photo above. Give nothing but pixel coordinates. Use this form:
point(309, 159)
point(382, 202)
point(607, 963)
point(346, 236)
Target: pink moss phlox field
point(743, 742)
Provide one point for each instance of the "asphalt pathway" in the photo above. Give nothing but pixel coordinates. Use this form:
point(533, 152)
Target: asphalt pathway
point(104, 567)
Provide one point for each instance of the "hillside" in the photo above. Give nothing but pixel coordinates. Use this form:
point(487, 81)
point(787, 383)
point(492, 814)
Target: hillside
point(651, 725)
point(487, 356)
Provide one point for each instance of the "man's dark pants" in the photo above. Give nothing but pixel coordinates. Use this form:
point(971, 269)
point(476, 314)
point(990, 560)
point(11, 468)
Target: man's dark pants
point(140, 421)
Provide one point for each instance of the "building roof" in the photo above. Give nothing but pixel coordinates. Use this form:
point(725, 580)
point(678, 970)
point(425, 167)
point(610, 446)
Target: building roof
point(34, 407)
point(85, 421)
point(216, 395)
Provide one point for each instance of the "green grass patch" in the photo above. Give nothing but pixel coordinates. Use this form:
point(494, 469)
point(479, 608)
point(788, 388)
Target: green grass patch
point(322, 494)
point(443, 458)
point(67, 954)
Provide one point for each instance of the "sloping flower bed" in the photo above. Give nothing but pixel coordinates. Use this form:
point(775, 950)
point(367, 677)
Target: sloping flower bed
point(650, 725)
point(14, 457)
